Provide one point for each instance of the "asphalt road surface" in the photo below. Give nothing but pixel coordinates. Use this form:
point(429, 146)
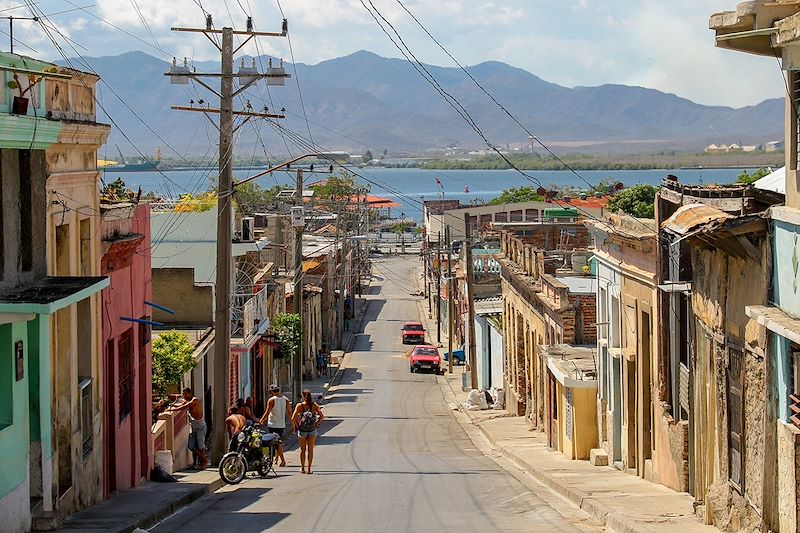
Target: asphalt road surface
point(391, 456)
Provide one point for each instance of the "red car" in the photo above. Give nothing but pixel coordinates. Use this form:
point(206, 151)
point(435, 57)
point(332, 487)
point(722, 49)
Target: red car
point(425, 357)
point(413, 333)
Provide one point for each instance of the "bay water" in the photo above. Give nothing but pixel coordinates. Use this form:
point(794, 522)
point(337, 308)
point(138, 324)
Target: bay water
point(410, 186)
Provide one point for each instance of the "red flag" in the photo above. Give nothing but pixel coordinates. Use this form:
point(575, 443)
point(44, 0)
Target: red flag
point(466, 188)
point(438, 182)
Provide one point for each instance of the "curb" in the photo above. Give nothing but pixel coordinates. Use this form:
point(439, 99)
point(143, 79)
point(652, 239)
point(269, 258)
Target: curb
point(170, 508)
point(360, 326)
point(611, 520)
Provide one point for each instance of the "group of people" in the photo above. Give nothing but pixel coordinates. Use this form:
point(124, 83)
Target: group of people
point(305, 421)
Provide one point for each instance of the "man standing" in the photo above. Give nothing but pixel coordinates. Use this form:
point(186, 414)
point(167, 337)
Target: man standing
point(197, 437)
point(277, 407)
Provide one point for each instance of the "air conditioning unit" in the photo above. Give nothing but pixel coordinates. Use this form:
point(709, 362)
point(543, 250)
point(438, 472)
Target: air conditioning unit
point(248, 229)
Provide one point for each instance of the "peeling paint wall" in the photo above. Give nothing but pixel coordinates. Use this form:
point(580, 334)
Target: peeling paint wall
point(723, 286)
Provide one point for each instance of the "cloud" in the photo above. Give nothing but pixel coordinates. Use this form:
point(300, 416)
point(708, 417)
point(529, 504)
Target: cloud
point(663, 45)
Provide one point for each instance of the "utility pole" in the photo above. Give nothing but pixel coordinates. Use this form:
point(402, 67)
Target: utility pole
point(439, 287)
point(451, 307)
point(470, 296)
point(181, 75)
point(298, 223)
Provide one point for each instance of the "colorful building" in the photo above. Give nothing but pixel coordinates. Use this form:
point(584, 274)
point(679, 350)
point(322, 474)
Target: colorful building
point(127, 358)
point(32, 148)
point(634, 430)
point(73, 249)
point(570, 399)
point(772, 29)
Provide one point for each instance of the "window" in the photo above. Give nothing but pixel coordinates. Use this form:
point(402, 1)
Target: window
point(125, 354)
point(735, 393)
point(6, 379)
point(501, 217)
point(794, 386)
point(87, 427)
point(145, 331)
point(794, 158)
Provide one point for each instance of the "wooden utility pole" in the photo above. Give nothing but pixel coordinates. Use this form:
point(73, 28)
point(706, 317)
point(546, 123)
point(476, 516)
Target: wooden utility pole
point(298, 223)
point(451, 307)
point(439, 288)
point(470, 296)
point(222, 394)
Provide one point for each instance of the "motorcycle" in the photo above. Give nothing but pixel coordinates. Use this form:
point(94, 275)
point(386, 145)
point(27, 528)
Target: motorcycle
point(251, 450)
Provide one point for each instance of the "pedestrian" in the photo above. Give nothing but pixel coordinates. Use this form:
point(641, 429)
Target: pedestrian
point(306, 419)
point(235, 421)
point(197, 436)
point(321, 366)
point(278, 406)
point(245, 411)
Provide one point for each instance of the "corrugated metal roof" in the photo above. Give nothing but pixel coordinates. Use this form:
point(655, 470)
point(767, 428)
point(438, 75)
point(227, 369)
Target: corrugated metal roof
point(775, 182)
point(692, 216)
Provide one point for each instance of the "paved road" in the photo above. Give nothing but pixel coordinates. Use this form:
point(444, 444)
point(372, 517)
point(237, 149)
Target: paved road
point(392, 456)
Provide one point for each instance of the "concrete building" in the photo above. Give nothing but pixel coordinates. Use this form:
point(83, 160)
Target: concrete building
point(570, 400)
point(74, 249)
point(772, 29)
point(40, 391)
point(489, 342)
point(187, 240)
point(713, 258)
point(634, 430)
point(127, 357)
point(440, 213)
point(549, 298)
point(312, 327)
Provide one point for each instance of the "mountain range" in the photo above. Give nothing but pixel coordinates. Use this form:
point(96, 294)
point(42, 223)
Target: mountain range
point(364, 101)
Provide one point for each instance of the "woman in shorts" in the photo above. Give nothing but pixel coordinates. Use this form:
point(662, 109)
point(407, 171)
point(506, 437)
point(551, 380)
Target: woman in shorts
point(306, 419)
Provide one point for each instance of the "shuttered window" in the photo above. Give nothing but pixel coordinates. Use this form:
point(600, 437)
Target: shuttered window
point(735, 378)
point(125, 355)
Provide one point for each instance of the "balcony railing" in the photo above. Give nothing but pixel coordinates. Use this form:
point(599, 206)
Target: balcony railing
point(248, 311)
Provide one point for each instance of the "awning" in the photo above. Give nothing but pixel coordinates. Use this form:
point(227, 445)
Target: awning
point(776, 320)
point(717, 228)
point(51, 294)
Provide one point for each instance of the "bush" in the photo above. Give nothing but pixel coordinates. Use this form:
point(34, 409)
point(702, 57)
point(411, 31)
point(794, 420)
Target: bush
point(172, 358)
point(638, 201)
point(286, 327)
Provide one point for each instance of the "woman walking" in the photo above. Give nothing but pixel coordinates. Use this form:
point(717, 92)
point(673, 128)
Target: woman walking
point(306, 418)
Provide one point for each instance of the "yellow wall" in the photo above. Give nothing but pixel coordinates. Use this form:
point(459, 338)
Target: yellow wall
point(577, 443)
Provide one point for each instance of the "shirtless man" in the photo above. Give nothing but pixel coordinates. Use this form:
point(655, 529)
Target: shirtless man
point(197, 438)
point(235, 421)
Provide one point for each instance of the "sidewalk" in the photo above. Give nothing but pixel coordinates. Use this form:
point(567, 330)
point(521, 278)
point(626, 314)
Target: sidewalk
point(623, 503)
point(146, 505)
point(143, 506)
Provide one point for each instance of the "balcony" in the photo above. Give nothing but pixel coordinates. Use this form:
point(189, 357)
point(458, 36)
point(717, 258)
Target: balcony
point(249, 311)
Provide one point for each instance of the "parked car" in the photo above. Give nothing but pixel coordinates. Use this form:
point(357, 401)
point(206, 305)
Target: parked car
point(413, 333)
point(425, 357)
point(458, 356)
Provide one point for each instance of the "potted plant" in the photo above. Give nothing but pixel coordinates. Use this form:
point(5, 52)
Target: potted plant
point(19, 106)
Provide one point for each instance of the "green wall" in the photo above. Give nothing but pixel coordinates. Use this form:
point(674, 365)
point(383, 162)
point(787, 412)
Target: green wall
point(14, 439)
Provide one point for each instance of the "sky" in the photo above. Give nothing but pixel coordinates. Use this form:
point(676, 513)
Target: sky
point(650, 43)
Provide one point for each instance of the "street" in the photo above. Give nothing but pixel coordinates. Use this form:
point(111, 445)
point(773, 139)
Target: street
point(391, 456)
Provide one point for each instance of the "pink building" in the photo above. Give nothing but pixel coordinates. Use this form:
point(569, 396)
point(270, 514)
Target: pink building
point(127, 362)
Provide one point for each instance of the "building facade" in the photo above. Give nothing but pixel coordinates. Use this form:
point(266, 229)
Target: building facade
point(33, 382)
point(549, 297)
point(127, 356)
point(634, 430)
point(771, 29)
